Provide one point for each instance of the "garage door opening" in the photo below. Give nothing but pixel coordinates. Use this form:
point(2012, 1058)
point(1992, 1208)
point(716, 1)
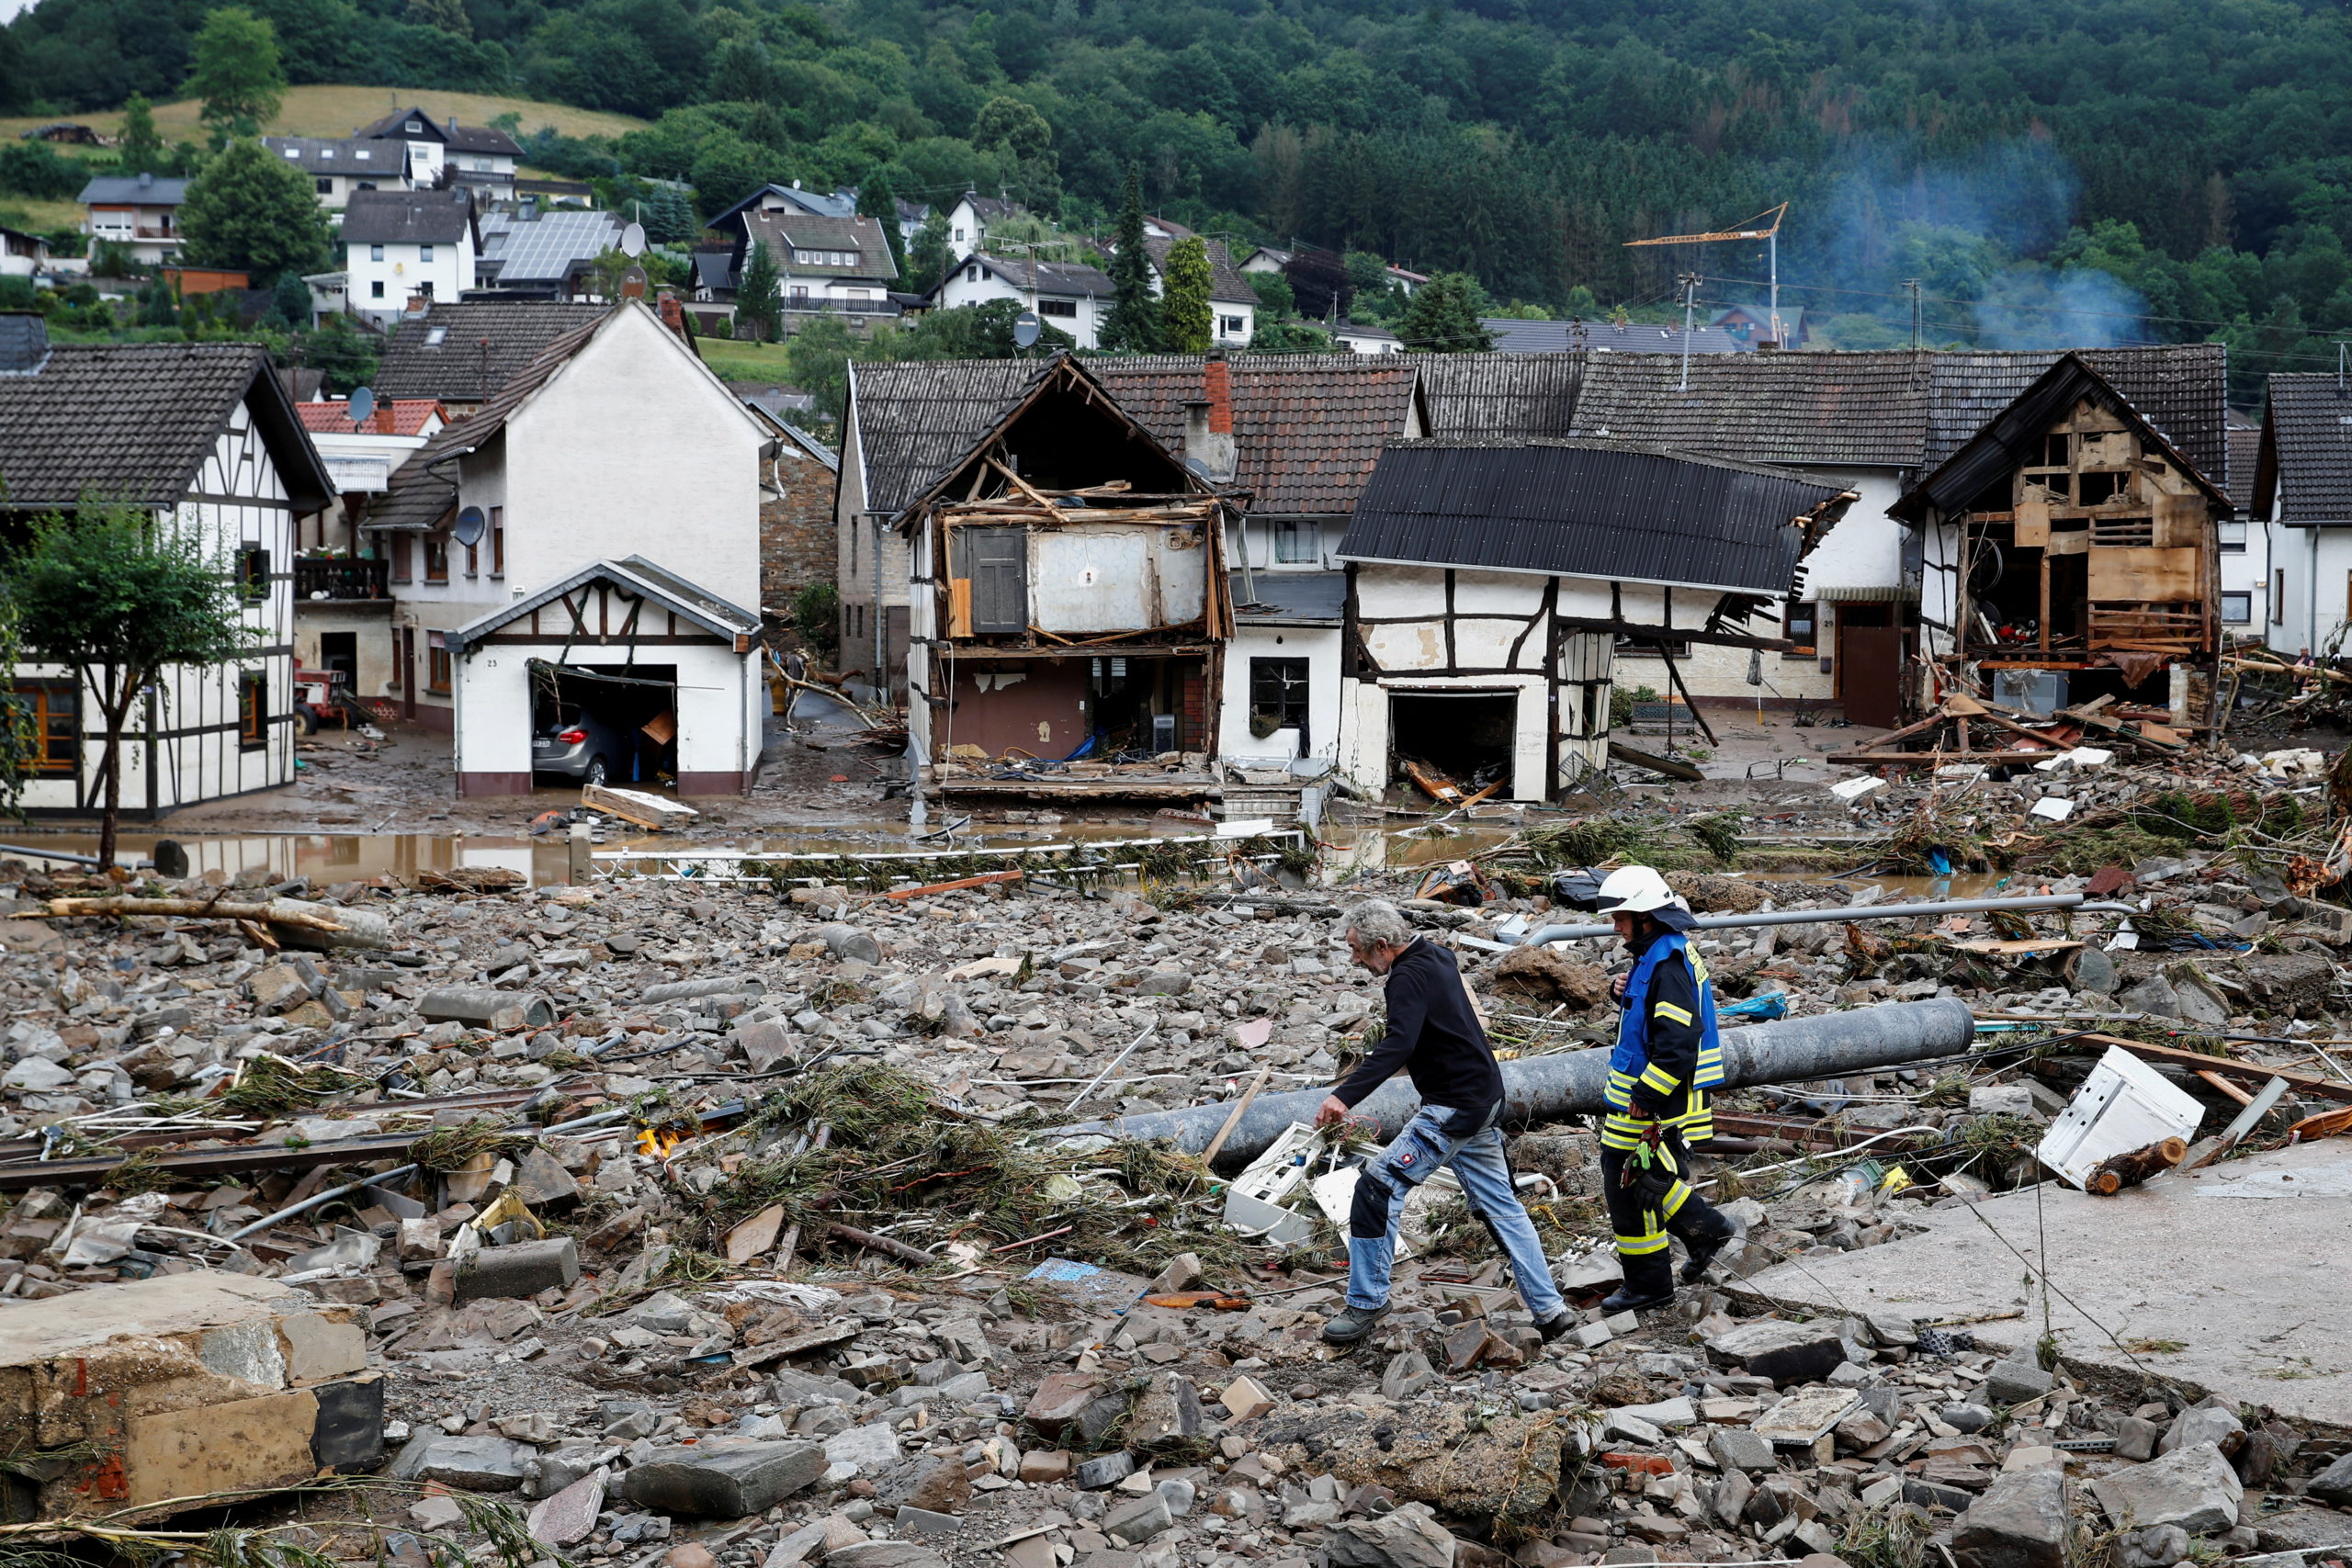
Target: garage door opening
point(1465, 739)
point(604, 723)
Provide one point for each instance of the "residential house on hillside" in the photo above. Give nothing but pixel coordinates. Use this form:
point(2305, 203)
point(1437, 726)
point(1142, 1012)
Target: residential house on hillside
point(338, 167)
point(459, 352)
point(400, 245)
point(203, 438)
point(480, 158)
point(547, 255)
point(1361, 337)
point(1752, 326)
point(614, 464)
point(22, 255)
point(968, 220)
point(1873, 422)
point(2102, 534)
point(1070, 603)
point(1489, 585)
point(142, 211)
point(786, 198)
point(1067, 296)
point(342, 594)
point(839, 267)
point(1233, 304)
point(2302, 503)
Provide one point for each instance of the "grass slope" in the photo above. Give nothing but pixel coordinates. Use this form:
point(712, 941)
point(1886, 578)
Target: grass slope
point(744, 361)
point(329, 110)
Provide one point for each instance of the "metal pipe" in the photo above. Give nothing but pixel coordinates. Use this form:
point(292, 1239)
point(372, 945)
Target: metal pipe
point(306, 1204)
point(2043, 901)
point(1544, 1088)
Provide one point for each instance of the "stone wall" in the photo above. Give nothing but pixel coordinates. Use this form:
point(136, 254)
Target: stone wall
point(796, 546)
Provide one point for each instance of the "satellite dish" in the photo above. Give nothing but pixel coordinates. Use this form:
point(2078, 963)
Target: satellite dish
point(362, 406)
point(469, 526)
point(1025, 328)
point(633, 239)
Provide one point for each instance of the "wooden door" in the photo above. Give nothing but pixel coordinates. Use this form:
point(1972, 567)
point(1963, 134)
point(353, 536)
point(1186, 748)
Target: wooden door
point(1869, 673)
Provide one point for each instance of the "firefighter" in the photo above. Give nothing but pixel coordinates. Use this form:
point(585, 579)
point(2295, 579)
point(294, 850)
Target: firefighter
point(1668, 1056)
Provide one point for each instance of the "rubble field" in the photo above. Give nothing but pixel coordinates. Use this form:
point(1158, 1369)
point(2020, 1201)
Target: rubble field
point(706, 1221)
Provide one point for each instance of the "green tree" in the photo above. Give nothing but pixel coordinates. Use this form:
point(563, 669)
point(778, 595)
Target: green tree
point(255, 211)
point(38, 170)
point(1290, 337)
point(237, 73)
point(344, 355)
point(140, 146)
point(448, 15)
point(157, 307)
point(974, 332)
point(1185, 282)
point(931, 256)
point(1442, 317)
point(119, 598)
point(877, 200)
point(1275, 296)
point(816, 358)
point(1133, 325)
point(1008, 126)
point(759, 296)
point(289, 303)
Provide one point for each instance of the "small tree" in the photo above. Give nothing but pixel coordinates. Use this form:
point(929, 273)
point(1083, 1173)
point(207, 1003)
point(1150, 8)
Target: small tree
point(119, 599)
point(817, 361)
point(877, 200)
point(931, 256)
point(346, 358)
point(1185, 282)
point(289, 303)
point(237, 73)
point(1133, 324)
point(759, 293)
point(141, 145)
point(1444, 317)
point(255, 212)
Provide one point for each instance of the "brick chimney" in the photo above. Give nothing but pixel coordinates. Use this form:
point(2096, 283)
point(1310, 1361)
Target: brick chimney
point(673, 316)
point(1208, 425)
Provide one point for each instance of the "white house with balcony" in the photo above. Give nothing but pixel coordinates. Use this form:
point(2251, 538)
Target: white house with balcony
point(336, 168)
point(441, 151)
point(400, 245)
point(1072, 297)
point(142, 211)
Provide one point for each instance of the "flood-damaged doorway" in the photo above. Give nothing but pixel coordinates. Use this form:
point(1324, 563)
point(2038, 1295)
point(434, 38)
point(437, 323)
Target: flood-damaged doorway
point(1466, 738)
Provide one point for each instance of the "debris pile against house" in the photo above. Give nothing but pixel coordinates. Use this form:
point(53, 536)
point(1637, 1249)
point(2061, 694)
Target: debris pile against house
point(864, 1210)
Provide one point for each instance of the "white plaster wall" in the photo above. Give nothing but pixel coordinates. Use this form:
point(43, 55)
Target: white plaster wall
point(2318, 567)
point(717, 727)
point(961, 289)
point(2248, 571)
point(1363, 754)
point(403, 271)
point(1262, 531)
point(1320, 647)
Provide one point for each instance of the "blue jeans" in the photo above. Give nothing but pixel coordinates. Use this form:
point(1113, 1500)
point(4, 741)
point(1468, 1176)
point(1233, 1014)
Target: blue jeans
point(1472, 1143)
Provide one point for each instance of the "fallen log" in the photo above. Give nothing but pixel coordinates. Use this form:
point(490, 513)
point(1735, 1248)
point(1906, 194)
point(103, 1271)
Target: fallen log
point(2116, 1172)
point(881, 1244)
point(1669, 766)
point(291, 921)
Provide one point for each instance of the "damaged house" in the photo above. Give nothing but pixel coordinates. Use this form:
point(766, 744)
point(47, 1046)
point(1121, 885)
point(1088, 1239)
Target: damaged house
point(1068, 604)
point(1490, 583)
point(2071, 552)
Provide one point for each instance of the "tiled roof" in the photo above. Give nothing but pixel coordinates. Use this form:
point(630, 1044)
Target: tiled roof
point(1068, 280)
point(393, 416)
point(407, 217)
point(2307, 458)
point(1307, 428)
point(2179, 388)
point(988, 207)
point(916, 418)
point(1226, 280)
point(142, 190)
point(134, 422)
point(464, 351)
point(784, 233)
point(2246, 446)
point(1500, 395)
point(328, 155)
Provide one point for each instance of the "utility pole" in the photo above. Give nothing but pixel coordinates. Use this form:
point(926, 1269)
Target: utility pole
point(1690, 281)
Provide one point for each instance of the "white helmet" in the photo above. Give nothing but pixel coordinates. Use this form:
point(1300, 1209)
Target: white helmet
point(1638, 890)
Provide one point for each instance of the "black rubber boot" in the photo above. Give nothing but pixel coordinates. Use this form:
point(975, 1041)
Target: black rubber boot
point(1703, 1254)
point(1352, 1324)
point(1627, 1300)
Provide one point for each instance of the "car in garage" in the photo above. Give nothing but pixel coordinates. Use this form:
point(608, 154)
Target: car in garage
point(578, 745)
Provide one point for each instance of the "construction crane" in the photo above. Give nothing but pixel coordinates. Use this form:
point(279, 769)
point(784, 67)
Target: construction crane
point(1770, 234)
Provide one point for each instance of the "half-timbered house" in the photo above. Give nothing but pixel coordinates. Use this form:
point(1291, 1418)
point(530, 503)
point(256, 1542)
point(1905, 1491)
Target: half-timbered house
point(204, 438)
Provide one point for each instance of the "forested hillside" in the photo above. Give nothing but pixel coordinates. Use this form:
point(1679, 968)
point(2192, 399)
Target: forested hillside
point(2010, 154)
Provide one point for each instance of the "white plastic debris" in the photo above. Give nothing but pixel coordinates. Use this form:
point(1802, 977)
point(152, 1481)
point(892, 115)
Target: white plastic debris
point(2296, 763)
point(2079, 758)
point(1853, 789)
point(1256, 1203)
point(2056, 807)
point(2124, 1105)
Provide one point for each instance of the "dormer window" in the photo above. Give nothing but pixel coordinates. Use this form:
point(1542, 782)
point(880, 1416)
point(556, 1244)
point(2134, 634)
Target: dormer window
point(414, 127)
point(361, 152)
point(326, 151)
point(293, 151)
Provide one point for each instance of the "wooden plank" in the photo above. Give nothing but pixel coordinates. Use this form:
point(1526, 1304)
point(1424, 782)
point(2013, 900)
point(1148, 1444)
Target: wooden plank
point(635, 805)
point(2226, 1087)
point(2145, 574)
point(2243, 1072)
point(1656, 764)
point(900, 894)
point(2028, 944)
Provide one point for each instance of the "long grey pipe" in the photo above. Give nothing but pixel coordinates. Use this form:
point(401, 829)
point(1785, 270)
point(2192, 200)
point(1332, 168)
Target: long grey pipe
point(2073, 901)
point(1542, 1088)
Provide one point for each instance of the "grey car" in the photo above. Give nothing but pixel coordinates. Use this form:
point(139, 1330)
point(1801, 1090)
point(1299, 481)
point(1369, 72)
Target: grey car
point(581, 747)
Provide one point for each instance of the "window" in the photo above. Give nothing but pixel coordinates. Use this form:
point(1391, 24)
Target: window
point(326, 185)
point(801, 296)
point(436, 558)
point(399, 557)
point(2237, 608)
point(1068, 307)
point(424, 253)
point(253, 710)
point(1232, 326)
point(1278, 697)
point(1296, 542)
point(293, 151)
point(437, 664)
point(2278, 597)
point(497, 541)
point(2232, 537)
point(473, 558)
point(253, 573)
point(376, 289)
point(971, 273)
point(436, 336)
point(363, 153)
point(1798, 621)
point(52, 714)
point(425, 290)
point(374, 252)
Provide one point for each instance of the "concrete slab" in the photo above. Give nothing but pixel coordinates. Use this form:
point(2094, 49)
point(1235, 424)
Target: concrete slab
point(2240, 1262)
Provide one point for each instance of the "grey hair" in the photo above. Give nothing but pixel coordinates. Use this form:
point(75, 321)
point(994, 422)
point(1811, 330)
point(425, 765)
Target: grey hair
point(1375, 921)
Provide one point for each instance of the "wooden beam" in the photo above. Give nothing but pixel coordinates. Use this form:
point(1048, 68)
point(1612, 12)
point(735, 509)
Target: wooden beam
point(2244, 1072)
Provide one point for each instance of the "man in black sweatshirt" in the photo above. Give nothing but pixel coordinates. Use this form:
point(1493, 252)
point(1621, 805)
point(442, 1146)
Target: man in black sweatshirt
point(1436, 1038)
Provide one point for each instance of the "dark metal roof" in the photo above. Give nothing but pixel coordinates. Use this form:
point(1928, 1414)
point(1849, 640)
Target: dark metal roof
point(331, 155)
point(1505, 396)
point(141, 190)
point(134, 422)
point(2246, 449)
point(2005, 436)
point(1072, 280)
point(1291, 599)
point(1584, 508)
point(917, 419)
point(2304, 476)
point(407, 217)
point(462, 351)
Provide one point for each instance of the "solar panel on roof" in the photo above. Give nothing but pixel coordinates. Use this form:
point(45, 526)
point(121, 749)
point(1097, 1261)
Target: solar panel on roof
point(546, 249)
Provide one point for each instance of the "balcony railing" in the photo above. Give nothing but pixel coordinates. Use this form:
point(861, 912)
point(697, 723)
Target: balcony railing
point(330, 579)
point(817, 305)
